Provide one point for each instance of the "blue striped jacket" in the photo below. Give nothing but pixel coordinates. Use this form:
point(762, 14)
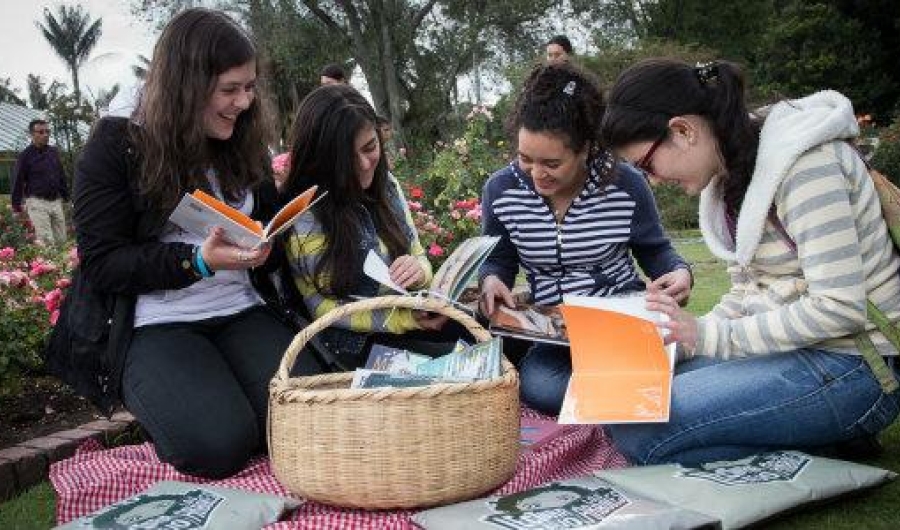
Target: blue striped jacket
point(590, 251)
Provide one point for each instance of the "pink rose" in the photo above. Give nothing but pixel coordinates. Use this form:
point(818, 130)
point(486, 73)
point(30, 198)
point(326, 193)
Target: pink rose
point(435, 250)
point(281, 163)
point(7, 254)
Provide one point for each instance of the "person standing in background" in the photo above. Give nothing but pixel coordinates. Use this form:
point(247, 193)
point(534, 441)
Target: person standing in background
point(333, 74)
point(39, 181)
point(559, 50)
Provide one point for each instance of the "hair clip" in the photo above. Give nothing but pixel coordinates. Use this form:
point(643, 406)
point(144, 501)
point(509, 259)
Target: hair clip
point(707, 72)
point(569, 89)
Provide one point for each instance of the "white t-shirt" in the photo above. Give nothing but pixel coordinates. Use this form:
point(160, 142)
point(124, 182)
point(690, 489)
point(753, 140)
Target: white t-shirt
point(226, 293)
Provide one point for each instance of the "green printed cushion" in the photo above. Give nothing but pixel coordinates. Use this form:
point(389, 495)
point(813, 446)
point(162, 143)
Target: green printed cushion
point(581, 503)
point(185, 506)
point(745, 491)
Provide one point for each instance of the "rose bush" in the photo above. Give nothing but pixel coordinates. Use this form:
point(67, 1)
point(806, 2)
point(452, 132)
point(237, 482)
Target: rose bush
point(33, 279)
point(444, 195)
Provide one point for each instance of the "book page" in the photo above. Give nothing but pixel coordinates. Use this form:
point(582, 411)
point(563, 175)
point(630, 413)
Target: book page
point(198, 217)
point(462, 265)
point(620, 369)
point(290, 211)
point(530, 322)
point(232, 213)
point(378, 270)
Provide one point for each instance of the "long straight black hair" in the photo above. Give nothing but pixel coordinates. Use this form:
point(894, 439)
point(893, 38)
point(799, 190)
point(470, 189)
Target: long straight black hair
point(647, 95)
point(322, 153)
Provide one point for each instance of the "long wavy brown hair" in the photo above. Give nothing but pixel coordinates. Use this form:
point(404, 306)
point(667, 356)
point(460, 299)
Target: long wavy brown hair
point(175, 152)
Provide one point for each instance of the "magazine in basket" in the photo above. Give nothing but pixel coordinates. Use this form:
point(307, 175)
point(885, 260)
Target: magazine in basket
point(454, 275)
point(621, 370)
point(387, 366)
point(199, 211)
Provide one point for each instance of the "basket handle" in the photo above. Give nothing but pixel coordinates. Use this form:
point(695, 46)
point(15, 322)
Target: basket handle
point(382, 302)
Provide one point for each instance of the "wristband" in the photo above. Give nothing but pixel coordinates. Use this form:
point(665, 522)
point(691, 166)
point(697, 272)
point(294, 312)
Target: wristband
point(201, 265)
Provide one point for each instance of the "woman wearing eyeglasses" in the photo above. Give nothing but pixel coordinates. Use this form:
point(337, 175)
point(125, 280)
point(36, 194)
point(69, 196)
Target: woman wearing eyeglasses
point(570, 217)
point(787, 202)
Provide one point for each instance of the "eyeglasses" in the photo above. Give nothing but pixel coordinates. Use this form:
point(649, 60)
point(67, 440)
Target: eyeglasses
point(645, 164)
point(41, 131)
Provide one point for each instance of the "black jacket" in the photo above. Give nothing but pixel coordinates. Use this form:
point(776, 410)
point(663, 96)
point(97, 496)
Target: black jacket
point(121, 257)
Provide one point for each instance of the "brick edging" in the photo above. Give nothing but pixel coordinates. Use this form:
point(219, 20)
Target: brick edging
point(27, 463)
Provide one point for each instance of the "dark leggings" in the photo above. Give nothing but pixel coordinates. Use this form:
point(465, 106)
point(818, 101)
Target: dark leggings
point(200, 389)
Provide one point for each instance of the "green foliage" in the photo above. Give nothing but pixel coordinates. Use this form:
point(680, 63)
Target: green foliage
point(887, 156)
point(72, 35)
point(32, 278)
point(677, 210)
point(809, 47)
point(15, 230)
point(444, 194)
point(608, 65)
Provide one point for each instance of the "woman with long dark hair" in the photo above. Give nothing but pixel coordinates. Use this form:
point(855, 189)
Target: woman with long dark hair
point(787, 202)
point(335, 144)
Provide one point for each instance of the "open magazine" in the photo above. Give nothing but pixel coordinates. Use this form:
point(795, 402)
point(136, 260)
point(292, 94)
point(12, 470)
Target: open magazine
point(199, 211)
point(454, 275)
point(530, 322)
point(621, 371)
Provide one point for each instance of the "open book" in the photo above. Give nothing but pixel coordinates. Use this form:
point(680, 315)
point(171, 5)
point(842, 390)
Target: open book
point(453, 276)
point(199, 211)
point(530, 322)
point(621, 371)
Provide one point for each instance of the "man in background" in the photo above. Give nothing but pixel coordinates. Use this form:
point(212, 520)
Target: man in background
point(333, 74)
point(38, 180)
point(559, 49)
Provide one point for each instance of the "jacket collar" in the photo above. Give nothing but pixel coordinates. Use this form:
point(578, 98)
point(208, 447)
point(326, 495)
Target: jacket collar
point(791, 128)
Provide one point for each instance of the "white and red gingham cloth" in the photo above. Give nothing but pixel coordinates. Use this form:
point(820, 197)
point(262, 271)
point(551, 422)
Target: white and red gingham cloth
point(96, 477)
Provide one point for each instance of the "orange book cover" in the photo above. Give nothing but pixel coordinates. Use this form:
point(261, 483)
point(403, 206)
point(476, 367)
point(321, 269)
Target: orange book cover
point(621, 371)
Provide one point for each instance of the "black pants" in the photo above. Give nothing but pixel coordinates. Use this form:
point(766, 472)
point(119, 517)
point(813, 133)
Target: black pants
point(200, 389)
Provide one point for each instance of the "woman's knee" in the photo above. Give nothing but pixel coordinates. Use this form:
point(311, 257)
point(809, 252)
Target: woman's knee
point(214, 451)
point(544, 376)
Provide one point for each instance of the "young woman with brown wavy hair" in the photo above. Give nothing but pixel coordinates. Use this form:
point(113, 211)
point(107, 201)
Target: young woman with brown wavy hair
point(192, 345)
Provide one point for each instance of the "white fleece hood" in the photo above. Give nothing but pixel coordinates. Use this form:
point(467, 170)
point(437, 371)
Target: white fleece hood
point(791, 128)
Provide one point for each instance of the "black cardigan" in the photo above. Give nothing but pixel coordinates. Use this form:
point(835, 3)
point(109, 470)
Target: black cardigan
point(121, 257)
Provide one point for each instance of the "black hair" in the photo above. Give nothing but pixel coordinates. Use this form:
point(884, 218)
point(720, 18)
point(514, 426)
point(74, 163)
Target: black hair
point(562, 41)
point(563, 100)
point(334, 71)
point(647, 95)
point(36, 121)
point(322, 153)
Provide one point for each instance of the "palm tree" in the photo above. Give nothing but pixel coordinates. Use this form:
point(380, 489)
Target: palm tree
point(72, 35)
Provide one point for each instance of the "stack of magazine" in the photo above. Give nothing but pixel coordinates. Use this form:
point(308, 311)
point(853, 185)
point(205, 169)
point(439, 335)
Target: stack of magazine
point(394, 367)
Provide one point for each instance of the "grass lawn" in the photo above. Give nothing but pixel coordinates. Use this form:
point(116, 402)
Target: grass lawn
point(872, 510)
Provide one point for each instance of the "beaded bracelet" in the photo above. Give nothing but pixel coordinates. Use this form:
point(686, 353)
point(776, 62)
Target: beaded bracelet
point(201, 265)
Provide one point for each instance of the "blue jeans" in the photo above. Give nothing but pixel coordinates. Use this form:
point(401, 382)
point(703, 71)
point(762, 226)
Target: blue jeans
point(725, 410)
point(543, 376)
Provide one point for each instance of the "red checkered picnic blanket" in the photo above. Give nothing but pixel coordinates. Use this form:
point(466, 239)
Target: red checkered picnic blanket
point(96, 477)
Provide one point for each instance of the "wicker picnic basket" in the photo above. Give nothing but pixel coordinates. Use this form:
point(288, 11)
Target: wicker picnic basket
point(385, 448)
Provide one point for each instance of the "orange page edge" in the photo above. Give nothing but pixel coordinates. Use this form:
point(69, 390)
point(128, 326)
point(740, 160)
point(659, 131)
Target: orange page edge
point(227, 211)
point(291, 209)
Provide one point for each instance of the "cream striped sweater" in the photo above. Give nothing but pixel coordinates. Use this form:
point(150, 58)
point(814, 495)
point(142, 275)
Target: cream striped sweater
point(781, 300)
